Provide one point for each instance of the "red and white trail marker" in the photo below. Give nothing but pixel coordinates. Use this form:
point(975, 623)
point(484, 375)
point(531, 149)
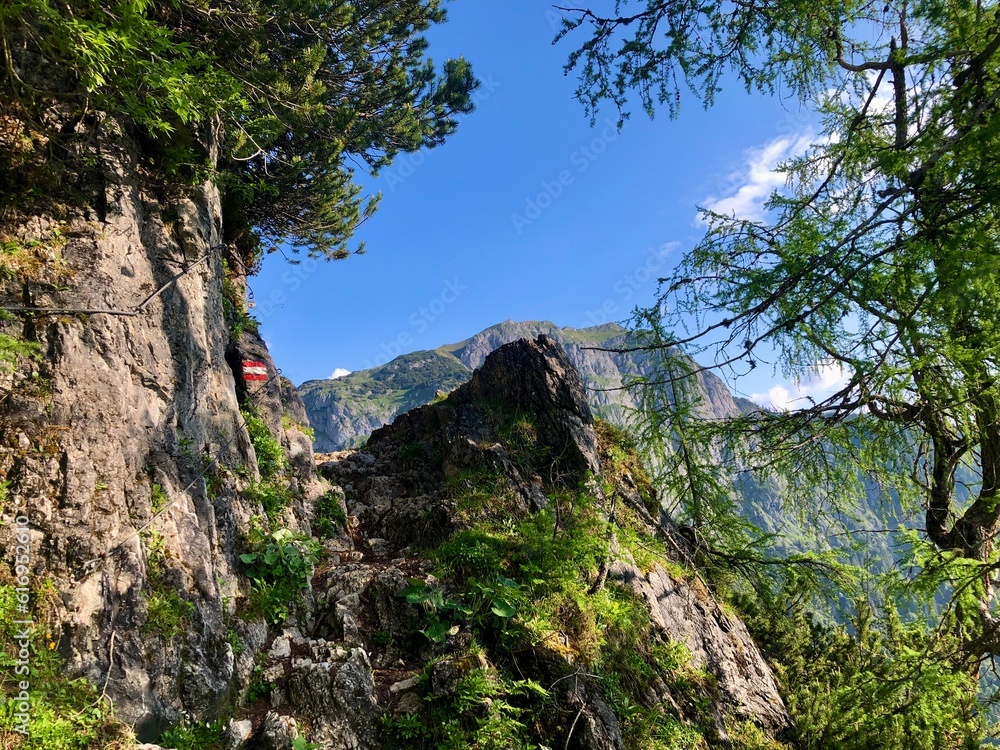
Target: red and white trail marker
point(254, 370)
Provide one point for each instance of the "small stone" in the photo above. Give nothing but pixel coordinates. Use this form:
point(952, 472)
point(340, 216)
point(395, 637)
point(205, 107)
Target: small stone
point(380, 547)
point(410, 703)
point(276, 733)
point(403, 685)
point(236, 733)
point(274, 673)
point(281, 648)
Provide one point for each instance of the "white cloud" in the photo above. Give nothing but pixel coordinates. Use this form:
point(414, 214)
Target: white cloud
point(339, 373)
point(758, 178)
point(826, 379)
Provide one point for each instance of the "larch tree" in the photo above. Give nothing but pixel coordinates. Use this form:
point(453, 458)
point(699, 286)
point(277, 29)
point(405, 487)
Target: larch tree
point(879, 258)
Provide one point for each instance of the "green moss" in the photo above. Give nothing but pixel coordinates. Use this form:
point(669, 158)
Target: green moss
point(620, 462)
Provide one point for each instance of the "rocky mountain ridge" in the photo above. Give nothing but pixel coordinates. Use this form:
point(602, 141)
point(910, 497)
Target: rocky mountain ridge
point(344, 411)
point(414, 489)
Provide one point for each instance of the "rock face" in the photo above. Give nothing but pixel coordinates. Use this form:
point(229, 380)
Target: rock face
point(364, 658)
point(344, 411)
point(717, 642)
point(538, 378)
point(124, 444)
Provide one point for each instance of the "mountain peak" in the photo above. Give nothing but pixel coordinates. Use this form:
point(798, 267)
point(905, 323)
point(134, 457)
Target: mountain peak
point(344, 411)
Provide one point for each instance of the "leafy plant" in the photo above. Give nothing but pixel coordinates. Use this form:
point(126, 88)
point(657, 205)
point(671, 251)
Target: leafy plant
point(486, 710)
point(235, 312)
point(195, 736)
point(66, 713)
point(328, 517)
point(274, 496)
point(280, 564)
point(479, 604)
point(270, 454)
point(158, 499)
point(166, 612)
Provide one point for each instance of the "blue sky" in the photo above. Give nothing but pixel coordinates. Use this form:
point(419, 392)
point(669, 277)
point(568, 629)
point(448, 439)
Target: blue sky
point(527, 212)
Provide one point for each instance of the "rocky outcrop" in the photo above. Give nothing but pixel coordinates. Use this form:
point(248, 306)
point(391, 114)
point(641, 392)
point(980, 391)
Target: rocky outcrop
point(344, 411)
point(537, 377)
point(123, 442)
point(365, 657)
point(718, 642)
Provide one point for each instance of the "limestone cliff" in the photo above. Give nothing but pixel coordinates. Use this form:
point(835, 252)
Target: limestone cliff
point(123, 441)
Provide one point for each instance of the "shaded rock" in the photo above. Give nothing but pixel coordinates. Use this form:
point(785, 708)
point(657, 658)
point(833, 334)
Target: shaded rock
point(340, 700)
point(276, 732)
point(538, 378)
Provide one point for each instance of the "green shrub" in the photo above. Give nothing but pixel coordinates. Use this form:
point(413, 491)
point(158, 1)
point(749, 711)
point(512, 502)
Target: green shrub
point(270, 454)
point(258, 689)
point(280, 565)
point(515, 581)
point(487, 711)
point(328, 516)
point(484, 606)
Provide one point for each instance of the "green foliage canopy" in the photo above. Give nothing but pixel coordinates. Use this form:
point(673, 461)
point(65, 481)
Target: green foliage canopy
point(302, 90)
